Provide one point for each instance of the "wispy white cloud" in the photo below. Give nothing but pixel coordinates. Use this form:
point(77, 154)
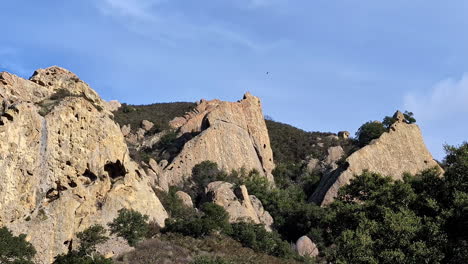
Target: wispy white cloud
point(145, 18)
point(445, 99)
point(140, 9)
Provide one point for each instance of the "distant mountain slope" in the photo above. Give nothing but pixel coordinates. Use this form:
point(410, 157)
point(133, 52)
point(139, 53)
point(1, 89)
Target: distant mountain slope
point(160, 114)
point(289, 144)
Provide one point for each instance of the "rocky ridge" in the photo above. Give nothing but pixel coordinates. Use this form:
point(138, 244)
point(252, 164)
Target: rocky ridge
point(233, 135)
point(61, 171)
point(398, 151)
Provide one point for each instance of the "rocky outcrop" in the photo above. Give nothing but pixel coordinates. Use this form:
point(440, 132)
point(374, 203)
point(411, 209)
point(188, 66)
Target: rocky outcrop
point(238, 203)
point(64, 162)
point(306, 248)
point(185, 198)
point(233, 135)
point(397, 151)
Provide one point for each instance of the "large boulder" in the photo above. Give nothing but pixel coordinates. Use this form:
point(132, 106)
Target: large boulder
point(64, 162)
point(306, 248)
point(394, 153)
point(238, 203)
point(233, 135)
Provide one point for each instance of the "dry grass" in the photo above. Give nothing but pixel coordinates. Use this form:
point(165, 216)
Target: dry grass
point(174, 248)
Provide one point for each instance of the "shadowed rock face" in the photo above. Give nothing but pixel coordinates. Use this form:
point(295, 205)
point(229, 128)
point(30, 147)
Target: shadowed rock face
point(400, 150)
point(233, 135)
point(64, 162)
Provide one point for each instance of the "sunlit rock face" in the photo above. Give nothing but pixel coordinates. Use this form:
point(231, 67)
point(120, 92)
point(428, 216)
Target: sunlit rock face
point(232, 134)
point(64, 162)
point(394, 153)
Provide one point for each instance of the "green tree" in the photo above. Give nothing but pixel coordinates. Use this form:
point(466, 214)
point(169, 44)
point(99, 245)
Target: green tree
point(130, 225)
point(369, 131)
point(75, 257)
point(86, 253)
point(90, 238)
point(15, 249)
point(213, 218)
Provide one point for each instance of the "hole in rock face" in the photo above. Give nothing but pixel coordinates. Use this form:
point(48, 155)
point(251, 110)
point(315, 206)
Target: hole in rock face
point(71, 183)
point(89, 174)
point(52, 194)
point(68, 163)
point(264, 146)
point(115, 169)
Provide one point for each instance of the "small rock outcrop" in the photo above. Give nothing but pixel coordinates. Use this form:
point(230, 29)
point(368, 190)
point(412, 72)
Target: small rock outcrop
point(397, 151)
point(343, 134)
point(306, 248)
point(238, 203)
point(64, 162)
point(185, 198)
point(234, 135)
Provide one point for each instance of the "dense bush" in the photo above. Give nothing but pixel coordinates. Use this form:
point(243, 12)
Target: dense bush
point(256, 237)
point(130, 225)
point(86, 253)
point(75, 257)
point(213, 218)
point(160, 114)
point(293, 145)
point(15, 249)
point(286, 206)
point(369, 131)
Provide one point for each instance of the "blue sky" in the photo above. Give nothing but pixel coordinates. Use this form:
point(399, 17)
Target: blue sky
point(333, 64)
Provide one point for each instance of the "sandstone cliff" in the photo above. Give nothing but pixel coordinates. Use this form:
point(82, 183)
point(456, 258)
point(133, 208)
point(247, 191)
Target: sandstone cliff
point(238, 203)
point(234, 135)
point(64, 162)
point(400, 150)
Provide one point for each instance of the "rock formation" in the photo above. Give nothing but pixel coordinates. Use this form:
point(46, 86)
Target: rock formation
point(400, 150)
point(64, 162)
point(185, 198)
point(233, 135)
point(238, 203)
point(306, 248)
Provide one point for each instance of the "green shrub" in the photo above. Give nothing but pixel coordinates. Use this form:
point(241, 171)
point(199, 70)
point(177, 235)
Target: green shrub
point(130, 225)
point(212, 219)
point(86, 253)
point(256, 237)
point(15, 249)
point(369, 131)
point(90, 238)
point(174, 205)
point(75, 257)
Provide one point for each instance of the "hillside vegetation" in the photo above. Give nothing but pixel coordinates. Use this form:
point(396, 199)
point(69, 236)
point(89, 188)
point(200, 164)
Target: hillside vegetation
point(160, 114)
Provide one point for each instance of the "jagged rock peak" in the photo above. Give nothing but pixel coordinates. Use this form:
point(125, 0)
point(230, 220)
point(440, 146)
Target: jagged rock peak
point(232, 134)
point(394, 153)
point(64, 162)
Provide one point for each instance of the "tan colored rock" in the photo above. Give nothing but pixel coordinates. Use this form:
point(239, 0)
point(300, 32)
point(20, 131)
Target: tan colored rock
point(334, 154)
point(185, 198)
point(62, 172)
point(238, 203)
point(126, 130)
point(233, 135)
point(115, 246)
point(146, 125)
point(400, 150)
point(343, 134)
point(313, 165)
point(306, 248)
point(113, 105)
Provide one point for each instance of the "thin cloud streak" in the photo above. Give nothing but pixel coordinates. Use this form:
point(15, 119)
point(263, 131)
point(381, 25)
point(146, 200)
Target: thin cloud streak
point(143, 18)
point(445, 99)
